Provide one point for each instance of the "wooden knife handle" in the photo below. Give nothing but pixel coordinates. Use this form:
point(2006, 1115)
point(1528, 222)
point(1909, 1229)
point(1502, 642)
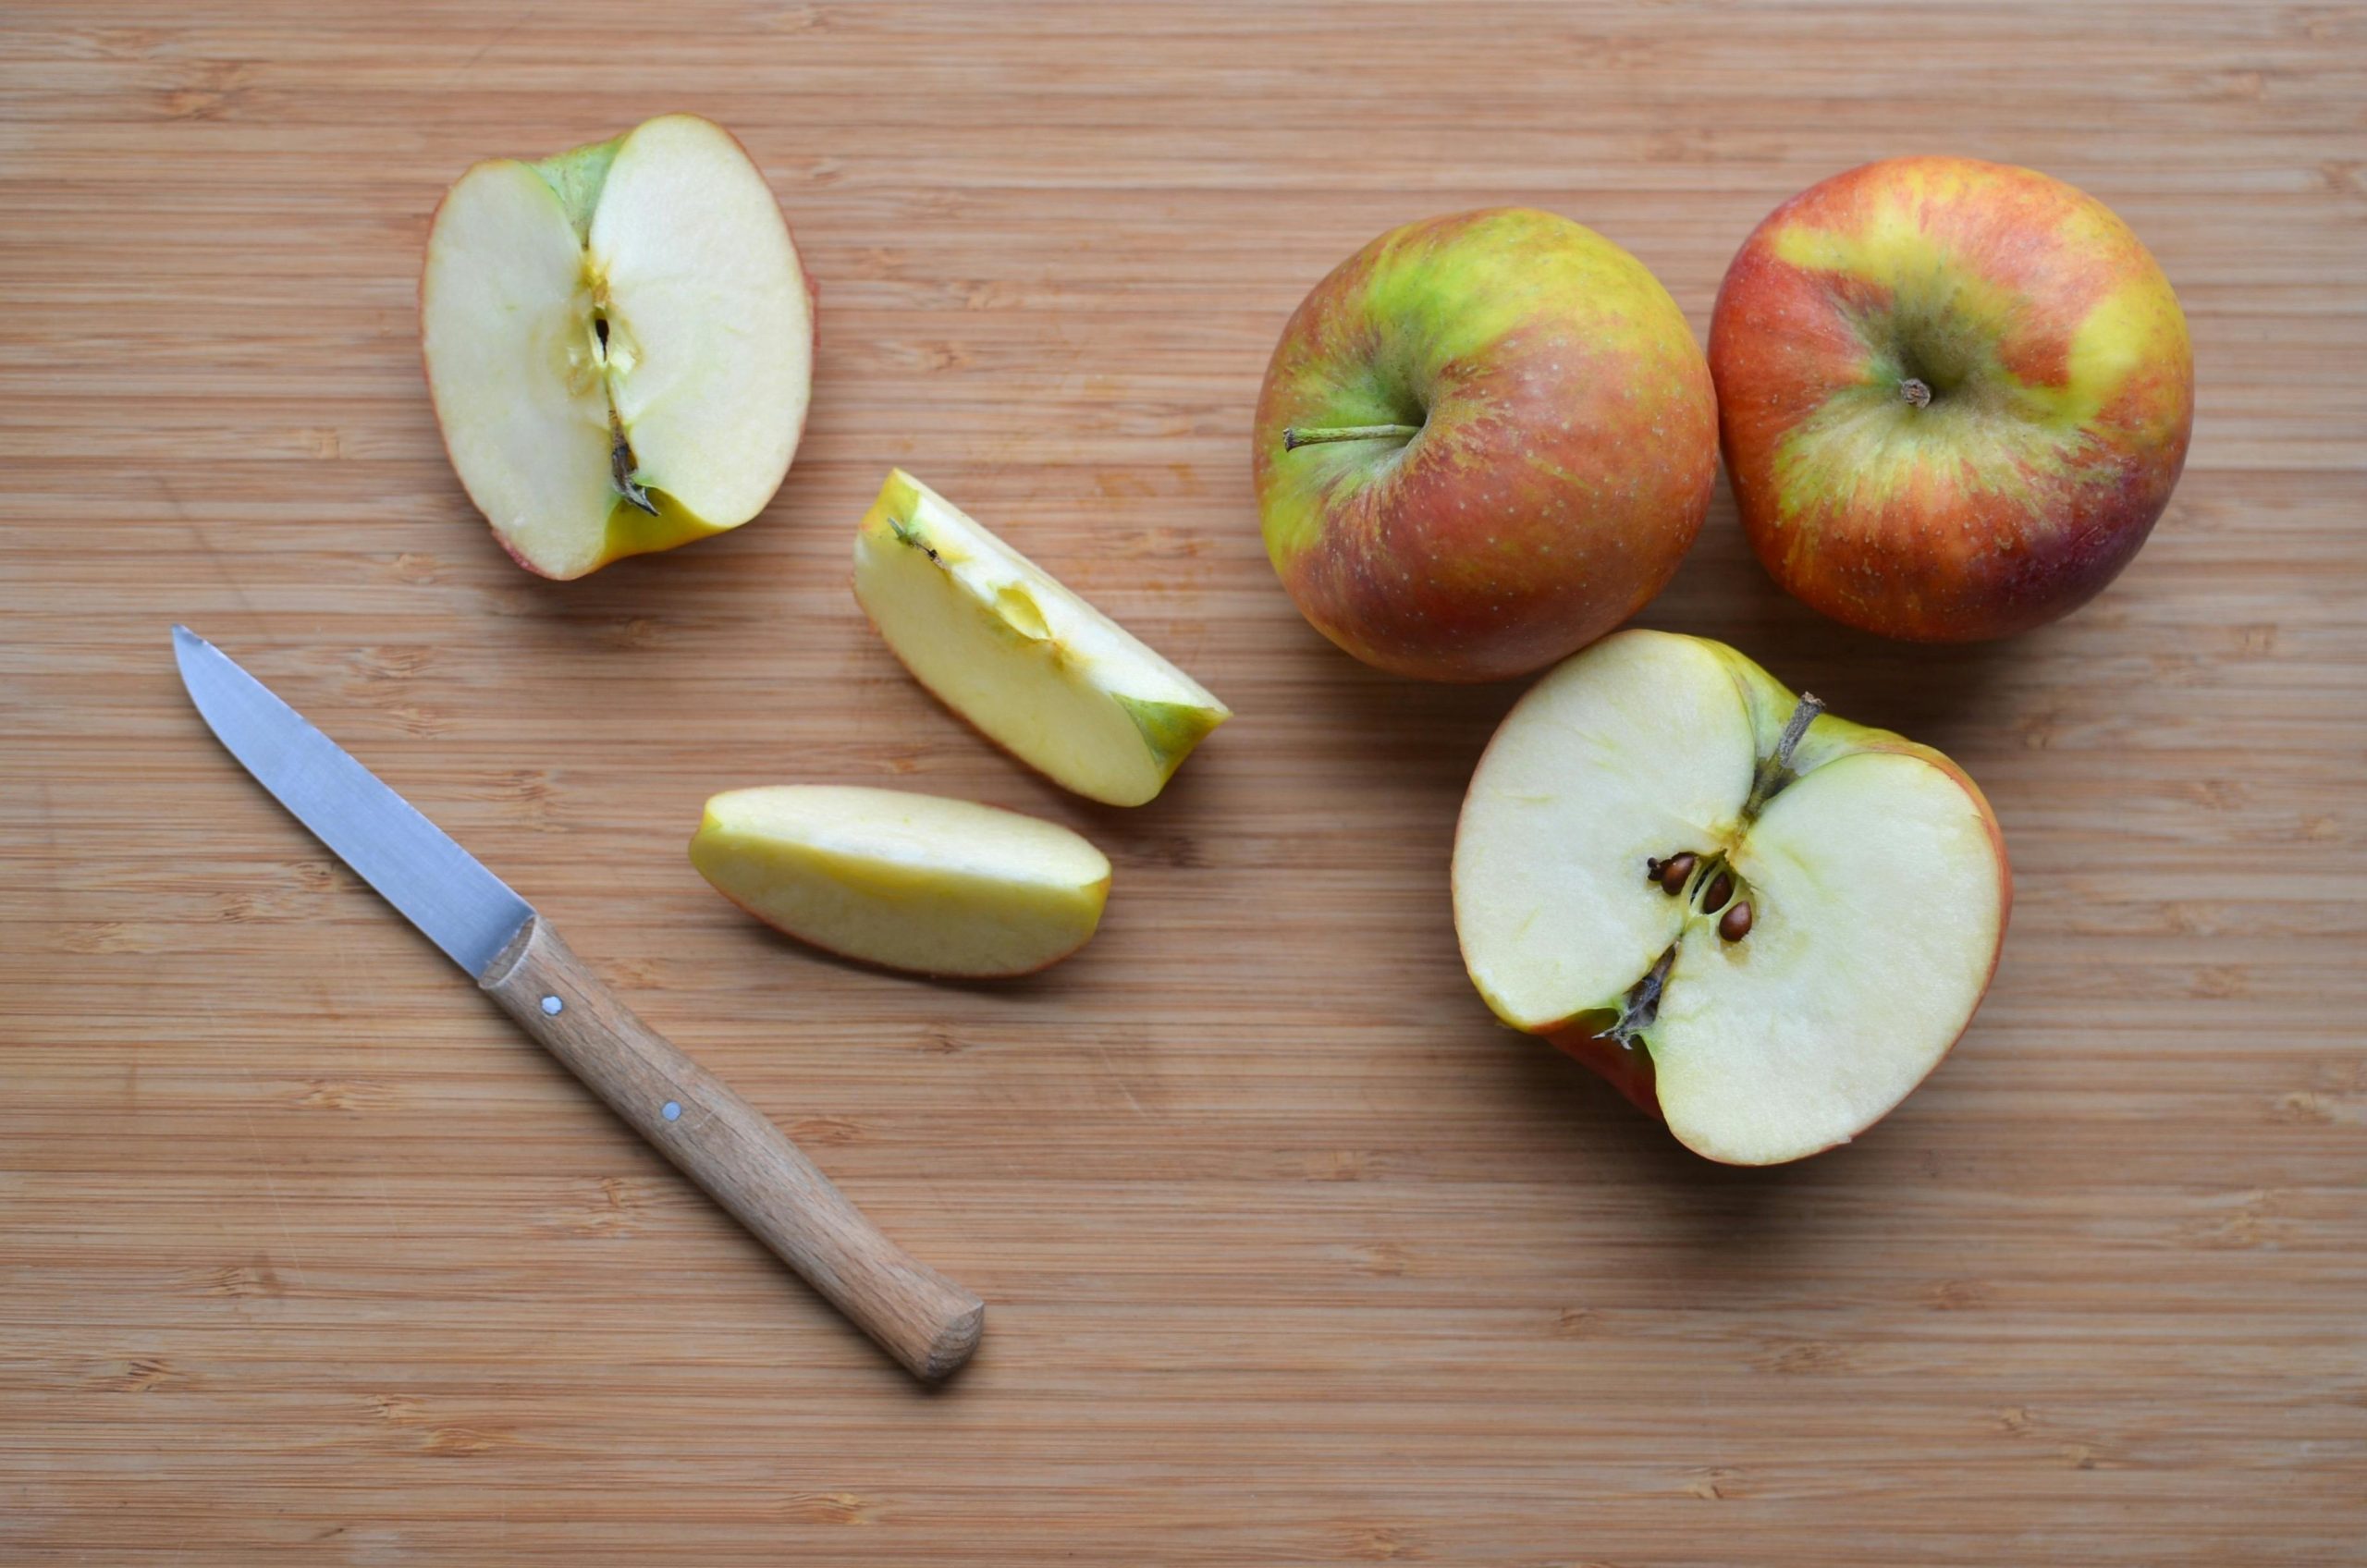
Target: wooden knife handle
point(730, 1150)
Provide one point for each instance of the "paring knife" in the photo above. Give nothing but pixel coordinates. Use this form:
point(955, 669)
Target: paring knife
point(715, 1137)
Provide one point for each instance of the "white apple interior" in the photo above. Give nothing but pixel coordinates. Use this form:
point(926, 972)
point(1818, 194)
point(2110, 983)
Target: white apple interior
point(681, 308)
point(919, 882)
point(504, 316)
point(1875, 885)
point(1040, 671)
point(710, 328)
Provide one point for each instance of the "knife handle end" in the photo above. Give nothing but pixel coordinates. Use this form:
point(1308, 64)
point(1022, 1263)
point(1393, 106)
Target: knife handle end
point(735, 1154)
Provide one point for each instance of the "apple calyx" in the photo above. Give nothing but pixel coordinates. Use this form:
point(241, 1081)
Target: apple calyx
point(1641, 1006)
point(1294, 438)
point(1916, 391)
point(621, 463)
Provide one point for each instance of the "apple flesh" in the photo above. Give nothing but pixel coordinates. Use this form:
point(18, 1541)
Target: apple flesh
point(1954, 396)
point(914, 882)
point(1484, 441)
point(620, 343)
point(1039, 672)
point(1762, 923)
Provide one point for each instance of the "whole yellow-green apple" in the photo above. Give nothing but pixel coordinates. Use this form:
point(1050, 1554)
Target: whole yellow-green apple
point(1484, 441)
point(1954, 397)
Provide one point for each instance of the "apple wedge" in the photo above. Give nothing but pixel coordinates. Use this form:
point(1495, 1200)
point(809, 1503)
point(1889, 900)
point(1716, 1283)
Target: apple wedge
point(915, 882)
point(1040, 672)
point(620, 343)
point(1764, 924)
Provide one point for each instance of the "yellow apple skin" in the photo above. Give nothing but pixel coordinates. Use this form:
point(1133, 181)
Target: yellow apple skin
point(903, 880)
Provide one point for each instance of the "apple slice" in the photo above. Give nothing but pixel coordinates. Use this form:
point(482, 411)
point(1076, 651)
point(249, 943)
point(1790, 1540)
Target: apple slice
point(916, 882)
point(1763, 924)
point(620, 342)
point(1040, 672)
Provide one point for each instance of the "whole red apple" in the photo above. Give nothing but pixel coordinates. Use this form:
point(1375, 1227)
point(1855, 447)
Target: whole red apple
point(1484, 441)
point(1954, 397)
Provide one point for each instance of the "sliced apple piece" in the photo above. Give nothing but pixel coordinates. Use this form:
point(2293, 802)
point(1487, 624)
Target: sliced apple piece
point(620, 343)
point(1764, 923)
point(910, 881)
point(1040, 672)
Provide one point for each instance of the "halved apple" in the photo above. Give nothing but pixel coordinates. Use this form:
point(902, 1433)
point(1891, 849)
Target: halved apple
point(1040, 672)
point(620, 342)
point(1765, 925)
point(916, 882)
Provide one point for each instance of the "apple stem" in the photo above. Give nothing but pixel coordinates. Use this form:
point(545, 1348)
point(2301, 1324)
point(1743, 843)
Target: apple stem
point(1776, 771)
point(1294, 438)
point(1916, 391)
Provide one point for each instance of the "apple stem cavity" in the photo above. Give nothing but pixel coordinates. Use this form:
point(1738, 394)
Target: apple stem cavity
point(1916, 391)
point(1294, 438)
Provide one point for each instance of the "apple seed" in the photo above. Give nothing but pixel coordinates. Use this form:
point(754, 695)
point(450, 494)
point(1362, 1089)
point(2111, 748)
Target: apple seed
point(1672, 873)
point(1735, 924)
point(1722, 887)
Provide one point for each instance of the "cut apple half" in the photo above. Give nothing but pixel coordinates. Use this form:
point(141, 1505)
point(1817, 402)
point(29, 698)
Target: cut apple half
point(620, 343)
point(1764, 923)
point(1040, 672)
point(909, 881)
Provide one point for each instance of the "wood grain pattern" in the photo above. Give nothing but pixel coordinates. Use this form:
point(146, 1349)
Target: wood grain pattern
point(735, 1153)
point(306, 1256)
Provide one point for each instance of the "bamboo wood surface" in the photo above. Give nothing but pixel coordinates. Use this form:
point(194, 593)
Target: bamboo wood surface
point(307, 1257)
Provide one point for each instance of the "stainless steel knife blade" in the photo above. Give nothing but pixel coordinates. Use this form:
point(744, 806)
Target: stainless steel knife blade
point(439, 886)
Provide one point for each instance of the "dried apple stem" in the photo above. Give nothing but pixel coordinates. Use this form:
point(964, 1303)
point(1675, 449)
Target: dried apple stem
point(1294, 438)
point(1776, 771)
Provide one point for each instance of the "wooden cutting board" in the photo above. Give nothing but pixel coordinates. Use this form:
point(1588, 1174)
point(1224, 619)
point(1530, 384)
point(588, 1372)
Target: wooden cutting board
point(307, 1257)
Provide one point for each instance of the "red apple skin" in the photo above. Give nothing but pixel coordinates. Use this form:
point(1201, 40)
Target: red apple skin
point(1625, 1067)
point(1567, 449)
point(2062, 383)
